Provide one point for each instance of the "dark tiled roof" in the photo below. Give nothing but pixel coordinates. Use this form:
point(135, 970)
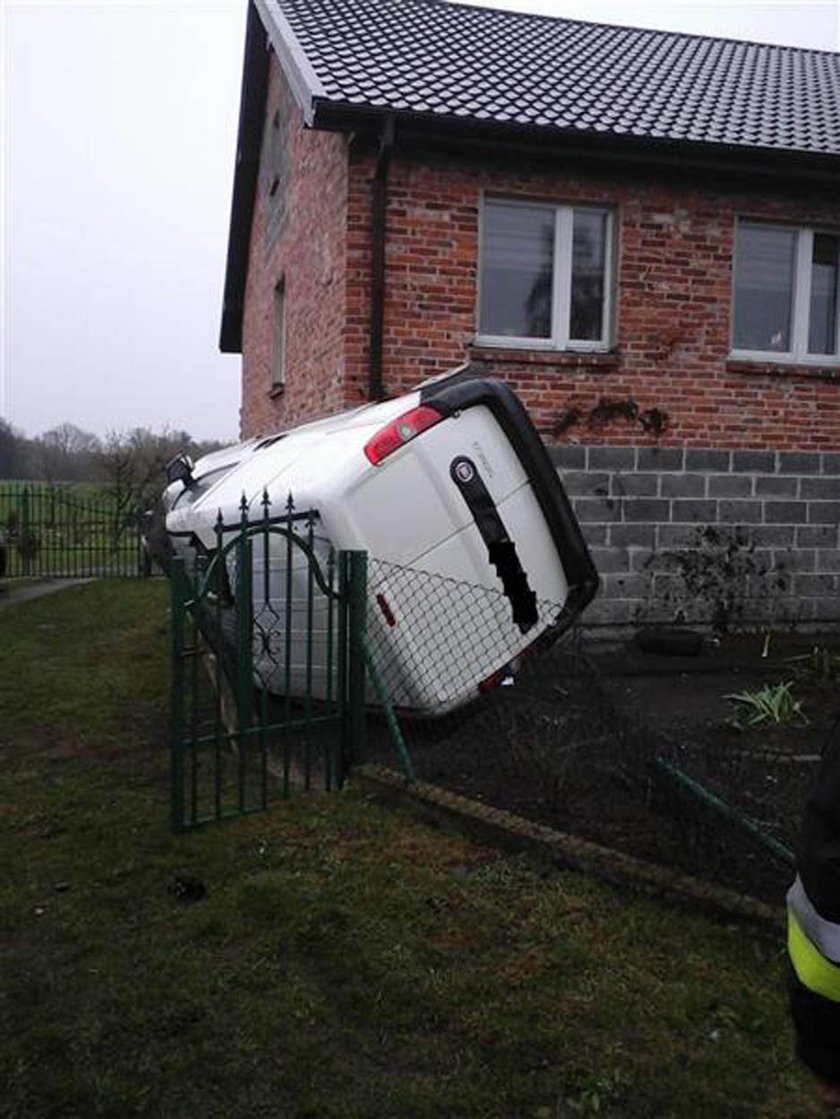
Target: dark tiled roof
point(453, 61)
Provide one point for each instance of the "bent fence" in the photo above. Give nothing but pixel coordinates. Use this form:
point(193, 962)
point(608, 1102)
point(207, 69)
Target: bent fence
point(292, 663)
point(54, 531)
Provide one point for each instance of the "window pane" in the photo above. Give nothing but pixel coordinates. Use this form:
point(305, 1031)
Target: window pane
point(516, 271)
point(822, 324)
point(278, 352)
point(589, 247)
point(764, 288)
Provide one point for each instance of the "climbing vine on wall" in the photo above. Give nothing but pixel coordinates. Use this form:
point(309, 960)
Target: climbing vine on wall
point(653, 421)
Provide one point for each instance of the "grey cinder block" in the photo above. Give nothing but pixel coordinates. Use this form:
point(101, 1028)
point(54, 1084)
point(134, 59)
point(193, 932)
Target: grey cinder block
point(660, 458)
point(635, 485)
point(567, 457)
point(638, 534)
point(646, 509)
point(698, 458)
point(730, 485)
point(682, 485)
point(611, 458)
point(597, 509)
point(785, 512)
point(609, 560)
point(825, 489)
point(799, 462)
point(817, 536)
point(756, 462)
point(776, 486)
point(580, 482)
point(823, 512)
point(694, 511)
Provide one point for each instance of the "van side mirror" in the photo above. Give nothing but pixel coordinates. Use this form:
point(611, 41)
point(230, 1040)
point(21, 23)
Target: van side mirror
point(180, 469)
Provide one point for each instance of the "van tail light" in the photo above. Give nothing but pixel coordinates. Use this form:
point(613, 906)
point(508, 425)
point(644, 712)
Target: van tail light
point(400, 431)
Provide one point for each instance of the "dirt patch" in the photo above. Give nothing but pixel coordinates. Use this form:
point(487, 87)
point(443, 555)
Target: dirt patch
point(638, 751)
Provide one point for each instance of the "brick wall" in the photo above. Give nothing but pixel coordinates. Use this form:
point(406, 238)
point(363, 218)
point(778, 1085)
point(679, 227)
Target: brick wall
point(673, 311)
point(297, 236)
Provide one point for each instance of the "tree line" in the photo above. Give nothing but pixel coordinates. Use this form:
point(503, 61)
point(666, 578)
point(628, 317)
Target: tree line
point(128, 465)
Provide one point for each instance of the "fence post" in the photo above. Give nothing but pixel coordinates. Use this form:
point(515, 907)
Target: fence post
point(176, 722)
point(245, 626)
point(356, 590)
point(23, 537)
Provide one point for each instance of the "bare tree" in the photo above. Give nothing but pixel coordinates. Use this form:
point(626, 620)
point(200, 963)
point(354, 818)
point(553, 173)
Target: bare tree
point(67, 453)
point(132, 464)
point(14, 452)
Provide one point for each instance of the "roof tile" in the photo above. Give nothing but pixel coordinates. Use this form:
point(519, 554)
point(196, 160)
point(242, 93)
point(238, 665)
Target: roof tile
point(454, 60)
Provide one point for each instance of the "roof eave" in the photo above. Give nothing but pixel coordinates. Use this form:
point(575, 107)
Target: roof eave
point(601, 146)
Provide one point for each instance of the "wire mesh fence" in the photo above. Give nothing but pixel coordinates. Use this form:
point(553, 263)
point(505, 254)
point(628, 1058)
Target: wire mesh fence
point(552, 732)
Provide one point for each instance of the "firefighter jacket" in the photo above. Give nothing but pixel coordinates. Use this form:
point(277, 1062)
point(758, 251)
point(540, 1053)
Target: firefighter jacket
point(813, 906)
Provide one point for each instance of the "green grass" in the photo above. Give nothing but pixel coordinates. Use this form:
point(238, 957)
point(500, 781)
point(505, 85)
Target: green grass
point(346, 960)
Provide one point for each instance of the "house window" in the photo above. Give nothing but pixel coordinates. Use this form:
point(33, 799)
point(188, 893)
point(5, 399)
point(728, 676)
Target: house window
point(275, 177)
point(545, 275)
point(278, 348)
point(787, 293)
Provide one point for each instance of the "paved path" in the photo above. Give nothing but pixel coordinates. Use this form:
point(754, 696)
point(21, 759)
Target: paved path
point(12, 591)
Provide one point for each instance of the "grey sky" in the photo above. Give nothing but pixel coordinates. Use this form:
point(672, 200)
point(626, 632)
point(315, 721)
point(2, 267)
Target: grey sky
point(118, 136)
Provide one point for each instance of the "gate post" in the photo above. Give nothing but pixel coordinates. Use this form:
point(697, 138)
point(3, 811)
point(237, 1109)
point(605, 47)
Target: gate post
point(244, 652)
point(176, 721)
point(355, 590)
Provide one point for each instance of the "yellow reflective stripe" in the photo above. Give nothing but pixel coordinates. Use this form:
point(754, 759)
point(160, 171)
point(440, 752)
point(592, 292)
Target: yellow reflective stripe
point(813, 970)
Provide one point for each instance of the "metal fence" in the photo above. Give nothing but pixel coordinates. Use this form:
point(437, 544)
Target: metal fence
point(267, 666)
point(549, 734)
point(292, 663)
point(54, 531)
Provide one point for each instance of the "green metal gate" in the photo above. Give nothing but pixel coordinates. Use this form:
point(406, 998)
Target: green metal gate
point(53, 531)
point(267, 666)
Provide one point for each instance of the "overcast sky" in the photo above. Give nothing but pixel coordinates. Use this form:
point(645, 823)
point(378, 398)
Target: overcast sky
point(118, 136)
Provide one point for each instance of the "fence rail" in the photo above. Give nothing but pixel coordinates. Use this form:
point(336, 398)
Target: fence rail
point(53, 531)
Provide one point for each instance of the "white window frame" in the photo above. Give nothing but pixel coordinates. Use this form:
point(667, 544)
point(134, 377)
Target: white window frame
point(561, 281)
point(801, 302)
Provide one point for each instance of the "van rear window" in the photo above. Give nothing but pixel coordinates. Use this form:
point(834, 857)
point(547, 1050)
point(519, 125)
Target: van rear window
point(200, 487)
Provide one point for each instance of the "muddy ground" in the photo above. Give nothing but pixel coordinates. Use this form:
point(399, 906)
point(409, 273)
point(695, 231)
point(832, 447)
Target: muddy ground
point(639, 751)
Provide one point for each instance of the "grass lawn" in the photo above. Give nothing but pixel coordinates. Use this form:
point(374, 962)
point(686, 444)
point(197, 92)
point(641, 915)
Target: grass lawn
point(345, 960)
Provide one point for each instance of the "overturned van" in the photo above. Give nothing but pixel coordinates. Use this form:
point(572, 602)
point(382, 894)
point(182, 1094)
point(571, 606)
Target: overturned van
point(476, 556)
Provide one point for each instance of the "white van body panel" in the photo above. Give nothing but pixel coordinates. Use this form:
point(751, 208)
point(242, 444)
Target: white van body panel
point(406, 512)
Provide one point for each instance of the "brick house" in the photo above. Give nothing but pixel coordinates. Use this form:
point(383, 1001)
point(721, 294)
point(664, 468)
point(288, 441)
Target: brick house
point(639, 230)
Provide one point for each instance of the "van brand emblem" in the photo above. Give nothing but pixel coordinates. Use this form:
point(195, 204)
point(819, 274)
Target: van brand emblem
point(464, 470)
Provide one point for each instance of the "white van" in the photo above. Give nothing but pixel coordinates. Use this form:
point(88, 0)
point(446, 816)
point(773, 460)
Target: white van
point(451, 481)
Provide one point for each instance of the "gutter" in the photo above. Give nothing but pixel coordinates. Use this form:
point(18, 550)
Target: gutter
point(378, 225)
point(611, 150)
